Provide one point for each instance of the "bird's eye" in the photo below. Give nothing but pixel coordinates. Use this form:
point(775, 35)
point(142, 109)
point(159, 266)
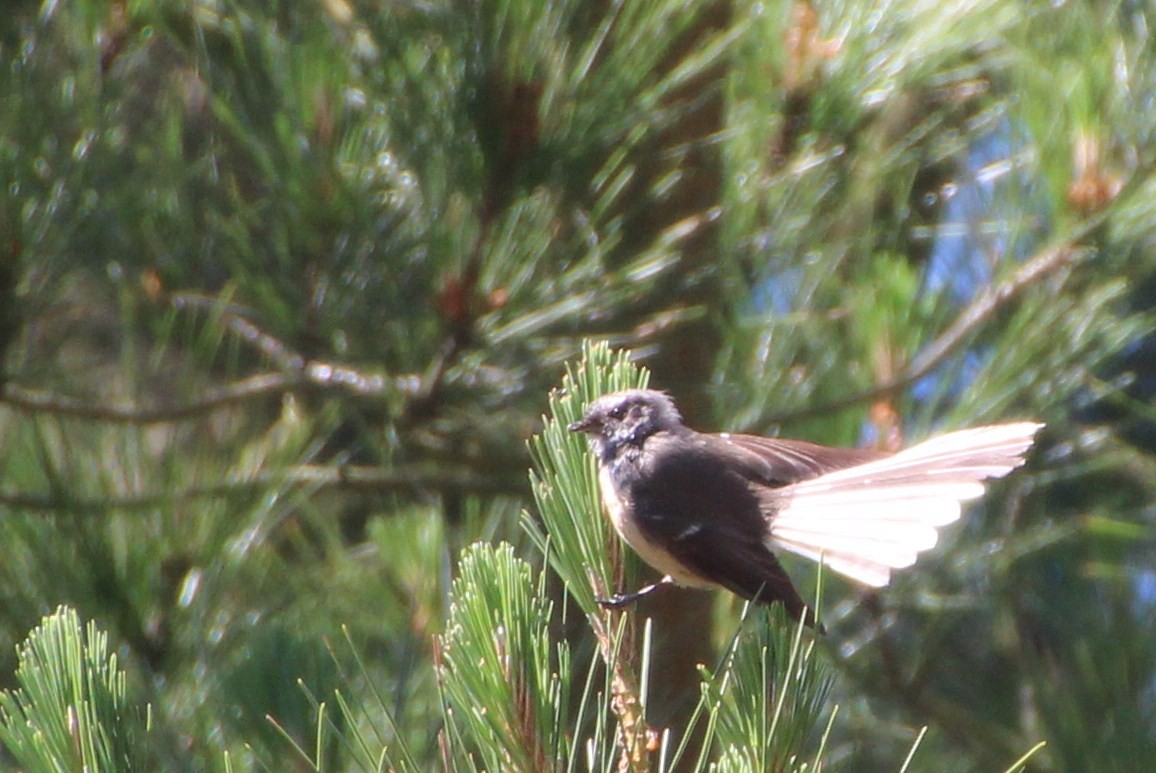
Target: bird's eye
point(618, 411)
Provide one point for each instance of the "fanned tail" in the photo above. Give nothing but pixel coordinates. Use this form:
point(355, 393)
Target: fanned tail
point(866, 520)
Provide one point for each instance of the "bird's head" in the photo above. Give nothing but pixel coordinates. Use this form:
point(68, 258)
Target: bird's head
point(627, 419)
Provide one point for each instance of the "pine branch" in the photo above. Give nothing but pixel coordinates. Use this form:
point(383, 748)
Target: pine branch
point(576, 538)
point(70, 710)
point(981, 311)
point(251, 388)
point(295, 371)
point(352, 478)
point(1064, 252)
point(767, 699)
point(503, 682)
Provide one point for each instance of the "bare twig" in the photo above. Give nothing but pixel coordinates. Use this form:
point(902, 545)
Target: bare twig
point(366, 479)
point(1062, 252)
point(295, 371)
point(36, 401)
point(616, 645)
point(315, 373)
point(971, 319)
point(273, 348)
point(233, 316)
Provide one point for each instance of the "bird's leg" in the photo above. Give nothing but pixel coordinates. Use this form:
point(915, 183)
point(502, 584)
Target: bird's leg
point(619, 600)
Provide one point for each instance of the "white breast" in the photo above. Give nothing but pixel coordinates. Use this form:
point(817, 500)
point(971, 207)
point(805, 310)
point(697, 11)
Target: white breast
point(651, 553)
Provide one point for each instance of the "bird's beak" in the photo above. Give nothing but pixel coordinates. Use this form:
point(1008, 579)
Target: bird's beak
point(585, 424)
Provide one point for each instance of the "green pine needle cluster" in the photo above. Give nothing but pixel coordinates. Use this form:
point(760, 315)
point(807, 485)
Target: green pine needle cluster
point(71, 710)
point(505, 683)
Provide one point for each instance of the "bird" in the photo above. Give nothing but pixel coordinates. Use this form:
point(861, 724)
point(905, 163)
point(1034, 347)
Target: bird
point(713, 510)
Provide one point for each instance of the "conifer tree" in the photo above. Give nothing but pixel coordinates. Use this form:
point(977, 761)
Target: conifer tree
point(285, 290)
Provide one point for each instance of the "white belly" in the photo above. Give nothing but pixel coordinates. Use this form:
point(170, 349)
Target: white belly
point(647, 550)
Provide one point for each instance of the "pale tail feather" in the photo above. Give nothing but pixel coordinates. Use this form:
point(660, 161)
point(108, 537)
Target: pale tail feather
point(866, 520)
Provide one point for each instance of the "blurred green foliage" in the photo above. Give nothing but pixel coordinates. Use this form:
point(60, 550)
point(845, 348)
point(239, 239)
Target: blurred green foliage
point(284, 288)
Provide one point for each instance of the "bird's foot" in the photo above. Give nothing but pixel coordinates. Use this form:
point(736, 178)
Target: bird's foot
point(620, 600)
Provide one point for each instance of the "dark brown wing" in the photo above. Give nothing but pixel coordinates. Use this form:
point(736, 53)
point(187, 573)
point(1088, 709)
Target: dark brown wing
point(774, 462)
point(740, 564)
point(691, 501)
